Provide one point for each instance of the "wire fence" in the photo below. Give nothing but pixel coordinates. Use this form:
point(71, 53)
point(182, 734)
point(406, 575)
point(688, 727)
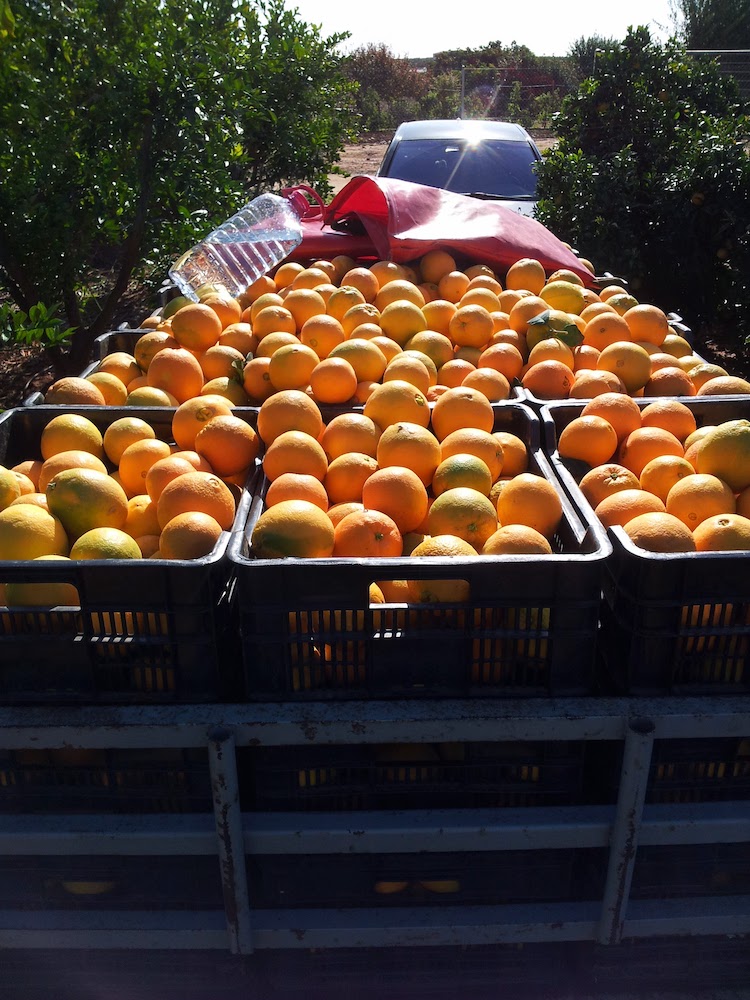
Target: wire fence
point(732, 62)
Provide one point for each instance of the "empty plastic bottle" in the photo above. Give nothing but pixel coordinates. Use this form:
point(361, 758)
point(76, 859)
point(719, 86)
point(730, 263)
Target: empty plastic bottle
point(250, 244)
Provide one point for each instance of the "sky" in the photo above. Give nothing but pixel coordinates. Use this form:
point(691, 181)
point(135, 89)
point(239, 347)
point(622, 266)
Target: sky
point(410, 28)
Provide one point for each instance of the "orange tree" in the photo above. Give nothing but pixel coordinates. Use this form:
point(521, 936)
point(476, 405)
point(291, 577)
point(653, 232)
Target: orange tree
point(651, 180)
point(129, 128)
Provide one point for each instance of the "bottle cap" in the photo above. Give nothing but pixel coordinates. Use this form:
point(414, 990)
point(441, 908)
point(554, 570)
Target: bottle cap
point(298, 201)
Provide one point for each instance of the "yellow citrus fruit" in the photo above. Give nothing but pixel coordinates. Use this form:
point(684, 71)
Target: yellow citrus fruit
point(565, 295)
point(105, 543)
point(723, 533)
point(112, 389)
point(516, 539)
point(465, 513)
point(68, 432)
point(27, 531)
point(85, 498)
point(123, 432)
point(366, 358)
point(629, 362)
point(725, 452)
point(10, 487)
point(190, 535)
point(660, 474)
point(293, 528)
point(68, 460)
point(450, 590)
point(462, 470)
point(532, 500)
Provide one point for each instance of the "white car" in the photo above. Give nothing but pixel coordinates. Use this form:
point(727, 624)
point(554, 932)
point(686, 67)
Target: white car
point(485, 159)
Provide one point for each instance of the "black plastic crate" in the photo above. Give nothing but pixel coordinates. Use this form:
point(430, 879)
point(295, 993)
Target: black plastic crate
point(674, 623)
point(413, 776)
point(308, 631)
point(145, 630)
point(678, 871)
point(117, 340)
point(396, 880)
point(162, 780)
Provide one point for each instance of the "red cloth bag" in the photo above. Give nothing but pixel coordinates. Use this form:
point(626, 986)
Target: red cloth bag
point(401, 221)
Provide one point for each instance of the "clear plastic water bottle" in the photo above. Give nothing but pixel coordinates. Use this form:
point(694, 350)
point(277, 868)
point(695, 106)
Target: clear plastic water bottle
point(244, 247)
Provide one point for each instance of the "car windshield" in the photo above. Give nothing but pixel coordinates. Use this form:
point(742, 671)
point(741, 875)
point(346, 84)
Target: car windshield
point(497, 167)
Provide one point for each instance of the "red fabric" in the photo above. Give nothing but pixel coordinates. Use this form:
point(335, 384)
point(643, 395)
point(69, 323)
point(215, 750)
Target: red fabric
point(403, 221)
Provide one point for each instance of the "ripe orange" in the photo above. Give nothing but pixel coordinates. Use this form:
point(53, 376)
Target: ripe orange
point(532, 500)
point(408, 369)
point(240, 336)
point(291, 366)
point(604, 480)
point(725, 452)
point(135, 462)
point(504, 358)
point(310, 277)
point(275, 318)
point(322, 333)
point(148, 395)
point(141, 517)
point(671, 415)
point(526, 273)
point(67, 460)
point(293, 528)
point(85, 498)
point(659, 532)
point(453, 285)
point(592, 384)
point(551, 349)
point(366, 358)
point(401, 320)
point(722, 533)
point(669, 381)
point(197, 326)
point(348, 432)
point(397, 400)
point(702, 373)
point(367, 534)
point(342, 300)
point(285, 273)
point(449, 590)
point(69, 431)
point(647, 322)
point(548, 380)
point(339, 510)
point(606, 328)
point(410, 445)
point(523, 310)
point(73, 391)
point(122, 364)
point(296, 486)
point(623, 506)
point(629, 362)
point(347, 475)
point(516, 539)
point(462, 469)
point(226, 307)
point(229, 444)
point(30, 468)
point(105, 543)
point(176, 371)
point(197, 491)
point(480, 296)
point(695, 497)
point(399, 290)
point(290, 409)
point(490, 382)
point(645, 443)
point(303, 304)
point(398, 492)
point(438, 314)
point(514, 451)
point(190, 535)
point(435, 264)
point(256, 380)
point(295, 451)
point(453, 373)
point(110, 386)
point(588, 438)
point(619, 410)
point(481, 443)
point(364, 280)
point(461, 407)
point(660, 474)
point(465, 513)
point(333, 381)
point(10, 487)
point(219, 361)
point(725, 385)
point(163, 471)
point(192, 415)
point(27, 531)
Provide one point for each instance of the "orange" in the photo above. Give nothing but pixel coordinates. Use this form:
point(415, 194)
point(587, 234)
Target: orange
point(85, 498)
point(10, 487)
point(725, 452)
point(548, 380)
point(122, 364)
point(286, 273)
point(333, 381)
point(623, 506)
point(401, 320)
point(342, 300)
point(220, 360)
point(71, 431)
point(435, 264)
point(669, 382)
point(504, 358)
point(397, 400)
point(435, 345)
point(73, 391)
point(398, 492)
point(366, 358)
point(367, 534)
point(197, 491)
point(482, 280)
point(339, 510)
point(589, 438)
point(722, 533)
point(703, 372)
point(293, 528)
point(595, 309)
point(695, 497)
point(592, 384)
point(135, 462)
point(605, 329)
point(515, 454)
point(141, 517)
point(288, 410)
point(399, 290)
point(445, 547)
point(262, 302)
point(551, 349)
point(604, 480)
point(310, 277)
point(295, 451)
point(105, 543)
point(346, 476)
point(659, 532)
point(491, 383)
point(240, 336)
point(516, 539)
point(226, 307)
point(110, 386)
point(363, 279)
point(67, 460)
point(565, 295)
point(629, 362)
point(190, 535)
point(671, 415)
point(470, 354)
point(425, 359)
point(525, 309)
point(503, 332)
point(303, 304)
point(725, 385)
point(531, 500)
point(621, 302)
point(197, 326)
point(619, 410)
point(273, 341)
point(386, 270)
point(163, 471)
point(372, 331)
point(660, 474)
point(338, 266)
point(453, 285)
point(228, 443)
point(28, 531)
point(645, 443)
point(291, 366)
point(257, 381)
point(296, 486)
point(359, 315)
point(438, 314)
point(608, 291)
point(260, 286)
point(478, 296)
point(465, 513)
point(192, 415)
point(410, 445)
point(477, 442)
point(31, 468)
point(408, 369)
point(273, 319)
point(461, 407)
point(350, 432)
point(659, 360)
point(176, 371)
point(647, 322)
point(510, 296)
point(676, 345)
point(148, 395)
point(462, 469)
point(526, 273)
point(453, 373)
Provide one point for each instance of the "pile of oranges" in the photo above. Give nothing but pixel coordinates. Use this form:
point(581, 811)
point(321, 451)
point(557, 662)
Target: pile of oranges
point(671, 485)
point(399, 478)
